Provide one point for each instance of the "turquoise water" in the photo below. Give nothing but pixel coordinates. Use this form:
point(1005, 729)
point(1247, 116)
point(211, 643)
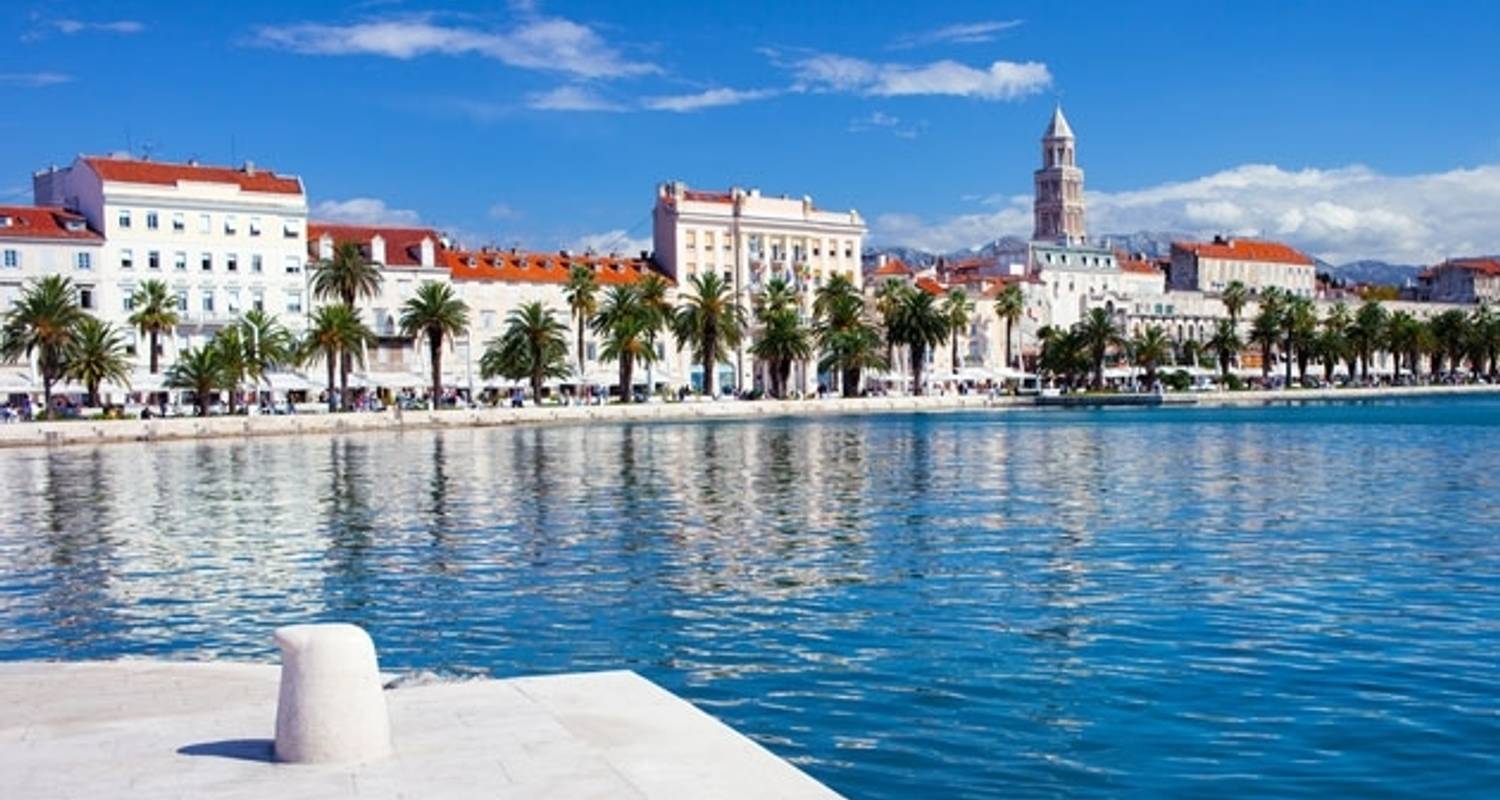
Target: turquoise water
point(1187, 602)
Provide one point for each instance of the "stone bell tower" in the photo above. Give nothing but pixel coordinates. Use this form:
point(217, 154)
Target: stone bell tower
point(1058, 207)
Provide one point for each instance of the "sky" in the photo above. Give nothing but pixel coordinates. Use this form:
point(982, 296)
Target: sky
point(1351, 129)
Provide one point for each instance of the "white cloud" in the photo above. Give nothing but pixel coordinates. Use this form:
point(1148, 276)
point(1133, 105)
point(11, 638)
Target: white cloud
point(72, 26)
point(363, 211)
point(961, 33)
point(571, 98)
point(33, 80)
point(615, 241)
point(545, 44)
point(1338, 214)
point(501, 211)
point(879, 120)
point(1001, 80)
point(711, 98)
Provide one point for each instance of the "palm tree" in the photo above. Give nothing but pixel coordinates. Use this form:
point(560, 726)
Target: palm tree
point(229, 347)
point(1149, 349)
point(1234, 297)
point(1300, 321)
point(887, 299)
point(44, 320)
point(1367, 333)
point(957, 309)
point(653, 290)
point(335, 331)
point(1405, 335)
point(711, 321)
point(95, 355)
point(438, 314)
point(849, 342)
point(917, 323)
point(1484, 332)
point(347, 277)
point(268, 345)
point(1063, 356)
point(534, 346)
point(1225, 343)
point(1009, 306)
point(1097, 333)
point(627, 327)
point(1451, 333)
point(200, 370)
point(1265, 331)
point(581, 292)
point(781, 340)
point(155, 312)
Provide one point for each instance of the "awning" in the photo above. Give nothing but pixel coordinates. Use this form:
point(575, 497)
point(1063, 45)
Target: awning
point(16, 381)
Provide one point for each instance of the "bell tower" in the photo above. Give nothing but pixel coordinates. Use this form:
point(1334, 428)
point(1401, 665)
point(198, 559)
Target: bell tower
point(1058, 207)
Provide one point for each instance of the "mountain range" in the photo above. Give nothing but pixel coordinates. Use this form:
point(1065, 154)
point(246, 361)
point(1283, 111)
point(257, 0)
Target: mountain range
point(1154, 244)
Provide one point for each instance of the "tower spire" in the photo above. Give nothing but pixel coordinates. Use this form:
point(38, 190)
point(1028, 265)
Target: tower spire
point(1058, 208)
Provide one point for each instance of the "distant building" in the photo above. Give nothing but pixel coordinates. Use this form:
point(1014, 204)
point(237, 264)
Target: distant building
point(48, 241)
point(1259, 265)
point(749, 239)
point(1461, 280)
point(224, 239)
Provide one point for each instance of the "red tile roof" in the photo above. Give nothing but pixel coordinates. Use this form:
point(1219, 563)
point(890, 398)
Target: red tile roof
point(1129, 264)
point(516, 267)
point(1246, 250)
point(708, 197)
point(403, 246)
point(45, 222)
point(930, 286)
point(893, 267)
point(1486, 266)
point(129, 170)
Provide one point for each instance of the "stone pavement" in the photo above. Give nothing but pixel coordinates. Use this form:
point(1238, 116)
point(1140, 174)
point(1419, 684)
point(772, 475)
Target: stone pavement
point(203, 730)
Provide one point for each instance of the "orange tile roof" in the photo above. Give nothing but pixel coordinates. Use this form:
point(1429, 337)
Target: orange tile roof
point(1246, 250)
point(1487, 266)
point(707, 197)
point(45, 222)
point(1129, 264)
point(129, 170)
point(930, 286)
point(891, 268)
point(520, 267)
point(403, 246)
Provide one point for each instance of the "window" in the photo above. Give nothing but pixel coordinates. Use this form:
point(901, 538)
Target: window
point(487, 319)
point(179, 224)
point(293, 265)
point(86, 297)
point(179, 260)
point(289, 228)
point(232, 262)
point(207, 261)
point(181, 299)
point(255, 263)
point(258, 299)
point(152, 221)
point(294, 302)
point(205, 224)
point(255, 226)
point(590, 353)
point(12, 259)
point(83, 261)
point(208, 301)
point(232, 301)
point(231, 225)
point(128, 302)
point(124, 220)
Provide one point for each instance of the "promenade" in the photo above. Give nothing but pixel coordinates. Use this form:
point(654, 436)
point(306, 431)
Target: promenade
point(79, 432)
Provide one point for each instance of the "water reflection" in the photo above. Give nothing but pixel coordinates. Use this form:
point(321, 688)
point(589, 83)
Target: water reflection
point(966, 605)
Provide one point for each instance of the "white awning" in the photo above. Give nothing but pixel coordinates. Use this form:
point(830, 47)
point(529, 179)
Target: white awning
point(15, 381)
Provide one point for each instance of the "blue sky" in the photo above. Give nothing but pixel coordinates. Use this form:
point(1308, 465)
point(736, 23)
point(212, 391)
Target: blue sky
point(1353, 129)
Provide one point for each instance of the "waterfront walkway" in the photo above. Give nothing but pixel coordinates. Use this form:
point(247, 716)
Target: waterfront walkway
point(154, 729)
point(178, 428)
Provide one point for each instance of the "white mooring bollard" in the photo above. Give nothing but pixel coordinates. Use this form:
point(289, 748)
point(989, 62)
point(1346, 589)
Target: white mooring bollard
point(332, 708)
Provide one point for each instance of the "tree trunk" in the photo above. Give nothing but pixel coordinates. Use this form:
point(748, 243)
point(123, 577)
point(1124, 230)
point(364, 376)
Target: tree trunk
point(344, 383)
point(918, 355)
point(710, 361)
point(850, 382)
point(155, 359)
point(536, 385)
point(1364, 365)
point(1265, 361)
point(1288, 355)
point(580, 348)
point(93, 387)
point(953, 354)
point(332, 386)
point(233, 390)
point(626, 378)
point(1328, 365)
point(1008, 334)
point(435, 349)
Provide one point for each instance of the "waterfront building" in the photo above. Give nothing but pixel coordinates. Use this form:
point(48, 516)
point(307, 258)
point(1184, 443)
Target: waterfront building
point(751, 239)
point(1461, 280)
point(1259, 265)
point(225, 239)
point(38, 241)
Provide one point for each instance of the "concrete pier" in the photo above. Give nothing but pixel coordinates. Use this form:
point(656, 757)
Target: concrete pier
point(147, 729)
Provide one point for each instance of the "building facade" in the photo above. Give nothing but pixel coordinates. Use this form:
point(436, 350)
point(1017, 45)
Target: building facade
point(750, 239)
point(224, 239)
point(38, 241)
point(1058, 206)
point(1463, 280)
point(1259, 265)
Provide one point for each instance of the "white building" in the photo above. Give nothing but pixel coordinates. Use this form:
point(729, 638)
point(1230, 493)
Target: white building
point(750, 239)
point(35, 242)
point(224, 239)
point(1259, 265)
point(1463, 280)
